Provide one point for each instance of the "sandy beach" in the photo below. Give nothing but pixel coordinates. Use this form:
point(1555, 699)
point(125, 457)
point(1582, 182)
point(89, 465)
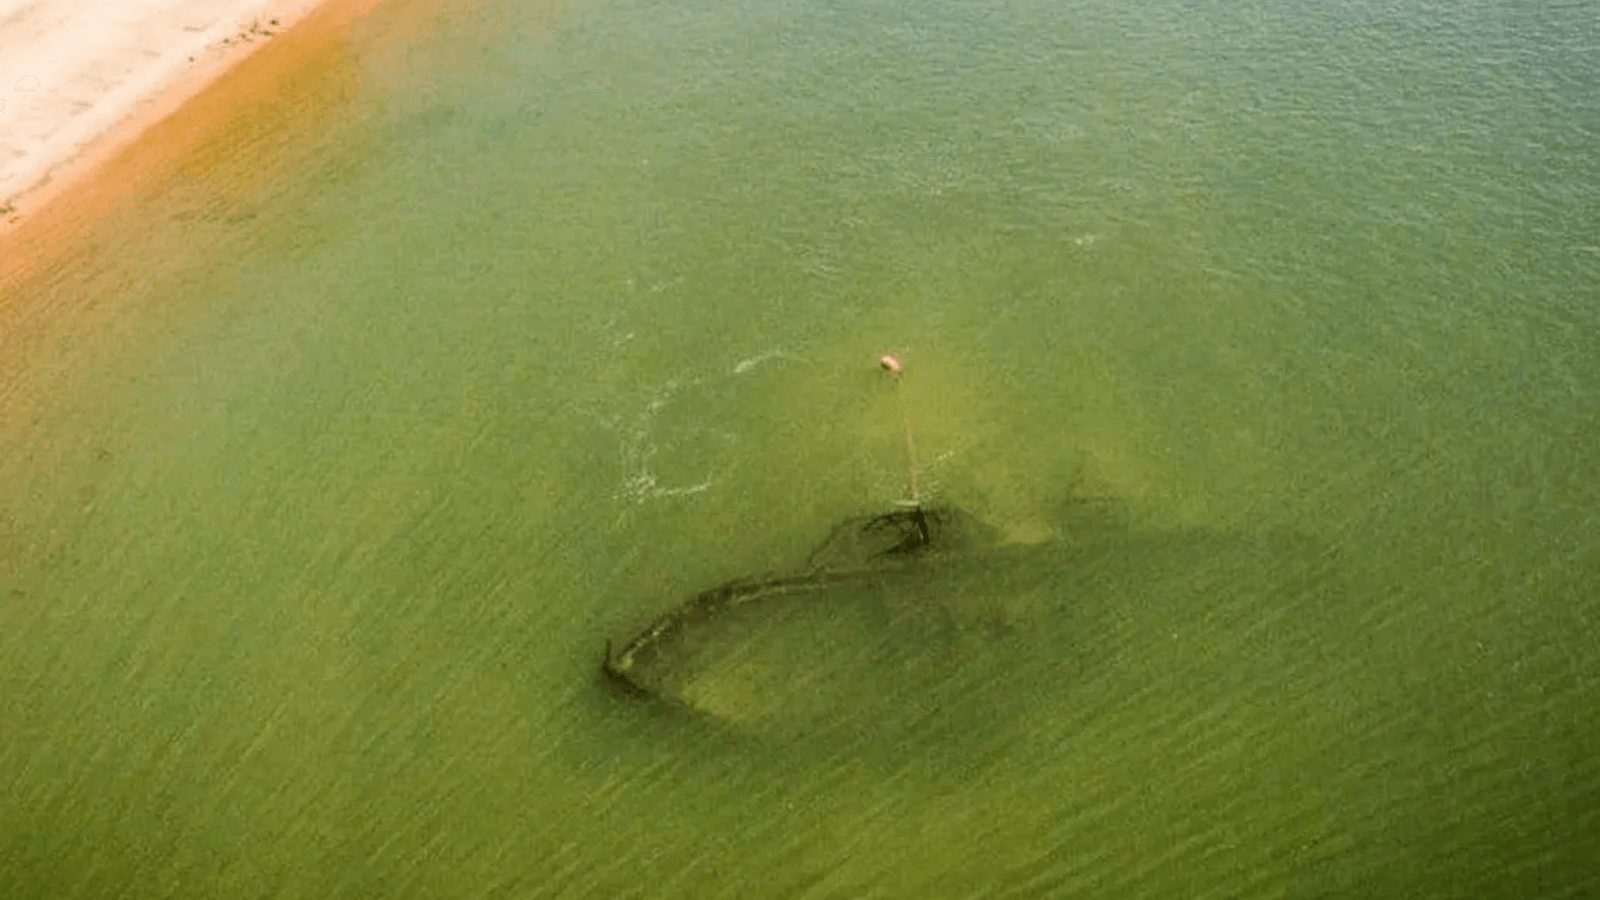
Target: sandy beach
point(103, 107)
point(77, 74)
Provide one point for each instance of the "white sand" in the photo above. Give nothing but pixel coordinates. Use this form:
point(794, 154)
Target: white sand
point(72, 71)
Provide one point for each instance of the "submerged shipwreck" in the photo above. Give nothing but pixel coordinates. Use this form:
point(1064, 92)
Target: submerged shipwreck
point(863, 554)
point(907, 615)
point(918, 611)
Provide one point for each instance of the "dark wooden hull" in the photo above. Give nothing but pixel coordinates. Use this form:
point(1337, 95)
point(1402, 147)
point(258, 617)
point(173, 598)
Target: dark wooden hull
point(859, 549)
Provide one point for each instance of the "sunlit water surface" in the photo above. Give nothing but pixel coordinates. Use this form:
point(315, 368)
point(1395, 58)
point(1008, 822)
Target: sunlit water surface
point(311, 548)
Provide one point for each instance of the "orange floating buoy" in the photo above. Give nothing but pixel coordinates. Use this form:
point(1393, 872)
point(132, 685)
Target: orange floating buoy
point(891, 365)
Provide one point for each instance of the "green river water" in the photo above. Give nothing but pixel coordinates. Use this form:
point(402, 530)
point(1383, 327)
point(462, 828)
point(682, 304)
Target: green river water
point(311, 545)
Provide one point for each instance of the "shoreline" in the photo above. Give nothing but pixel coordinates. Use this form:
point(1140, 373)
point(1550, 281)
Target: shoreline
point(221, 126)
point(89, 83)
point(134, 209)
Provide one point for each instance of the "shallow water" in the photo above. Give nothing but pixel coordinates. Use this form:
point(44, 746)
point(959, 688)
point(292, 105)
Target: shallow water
point(313, 540)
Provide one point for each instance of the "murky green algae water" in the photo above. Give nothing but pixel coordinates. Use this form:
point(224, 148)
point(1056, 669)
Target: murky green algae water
point(313, 541)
